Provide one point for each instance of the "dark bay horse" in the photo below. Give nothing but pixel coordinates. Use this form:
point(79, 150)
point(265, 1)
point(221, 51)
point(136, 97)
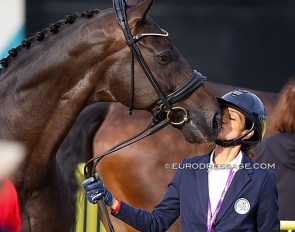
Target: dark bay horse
point(139, 174)
point(52, 76)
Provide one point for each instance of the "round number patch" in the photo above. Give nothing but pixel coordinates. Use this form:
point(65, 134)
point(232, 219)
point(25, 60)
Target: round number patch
point(242, 206)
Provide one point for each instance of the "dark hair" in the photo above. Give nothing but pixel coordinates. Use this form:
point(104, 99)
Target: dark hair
point(246, 147)
point(284, 111)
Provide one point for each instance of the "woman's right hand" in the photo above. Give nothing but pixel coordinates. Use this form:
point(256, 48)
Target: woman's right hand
point(95, 190)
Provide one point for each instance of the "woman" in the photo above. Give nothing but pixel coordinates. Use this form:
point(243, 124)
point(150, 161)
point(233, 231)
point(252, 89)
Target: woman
point(280, 149)
point(223, 190)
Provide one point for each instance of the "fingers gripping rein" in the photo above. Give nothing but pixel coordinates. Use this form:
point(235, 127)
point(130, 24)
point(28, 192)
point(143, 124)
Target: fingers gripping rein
point(95, 190)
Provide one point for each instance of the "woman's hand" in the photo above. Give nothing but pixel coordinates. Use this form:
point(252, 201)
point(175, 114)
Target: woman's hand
point(95, 190)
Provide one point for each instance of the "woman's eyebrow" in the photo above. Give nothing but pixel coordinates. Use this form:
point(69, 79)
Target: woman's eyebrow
point(236, 112)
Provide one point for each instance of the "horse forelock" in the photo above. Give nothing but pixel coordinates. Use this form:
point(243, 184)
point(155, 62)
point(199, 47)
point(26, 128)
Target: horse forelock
point(40, 36)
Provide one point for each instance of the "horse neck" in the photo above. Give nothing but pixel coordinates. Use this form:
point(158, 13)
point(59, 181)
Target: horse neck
point(45, 87)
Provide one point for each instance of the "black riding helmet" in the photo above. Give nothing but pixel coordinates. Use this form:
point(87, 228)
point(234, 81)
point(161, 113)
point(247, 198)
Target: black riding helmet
point(253, 109)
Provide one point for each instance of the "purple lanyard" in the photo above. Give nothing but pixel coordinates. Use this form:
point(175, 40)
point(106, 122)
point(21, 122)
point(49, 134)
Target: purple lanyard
point(210, 217)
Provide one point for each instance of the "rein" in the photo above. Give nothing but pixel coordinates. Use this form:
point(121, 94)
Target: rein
point(164, 104)
point(149, 130)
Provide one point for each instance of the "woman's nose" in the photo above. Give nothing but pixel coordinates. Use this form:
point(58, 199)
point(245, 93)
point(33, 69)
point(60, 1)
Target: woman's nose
point(223, 120)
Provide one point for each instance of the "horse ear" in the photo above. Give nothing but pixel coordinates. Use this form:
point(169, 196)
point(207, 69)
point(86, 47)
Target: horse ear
point(138, 10)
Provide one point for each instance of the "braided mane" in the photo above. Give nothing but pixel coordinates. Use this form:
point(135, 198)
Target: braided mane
point(39, 36)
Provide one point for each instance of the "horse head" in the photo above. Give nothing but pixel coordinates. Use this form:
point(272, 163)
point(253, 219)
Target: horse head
point(170, 71)
point(92, 58)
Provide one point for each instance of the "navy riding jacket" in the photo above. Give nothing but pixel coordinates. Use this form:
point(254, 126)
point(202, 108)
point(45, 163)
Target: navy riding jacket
point(187, 196)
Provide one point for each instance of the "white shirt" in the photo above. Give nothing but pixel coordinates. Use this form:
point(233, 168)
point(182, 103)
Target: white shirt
point(217, 178)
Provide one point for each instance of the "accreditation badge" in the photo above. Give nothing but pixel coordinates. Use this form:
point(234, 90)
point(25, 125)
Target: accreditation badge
point(242, 206)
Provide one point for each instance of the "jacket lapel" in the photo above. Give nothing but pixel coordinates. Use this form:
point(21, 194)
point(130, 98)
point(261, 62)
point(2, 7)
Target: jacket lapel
point(202, 184)
point(240, 180)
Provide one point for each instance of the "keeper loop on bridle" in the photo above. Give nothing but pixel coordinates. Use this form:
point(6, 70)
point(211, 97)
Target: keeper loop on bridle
point(131, 41)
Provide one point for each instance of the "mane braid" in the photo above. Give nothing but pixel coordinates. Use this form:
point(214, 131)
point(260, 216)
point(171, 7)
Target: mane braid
point(40, 36)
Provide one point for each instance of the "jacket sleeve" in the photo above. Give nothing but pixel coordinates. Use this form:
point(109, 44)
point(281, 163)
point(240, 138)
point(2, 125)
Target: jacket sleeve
point(162, 216)
point(268, 217)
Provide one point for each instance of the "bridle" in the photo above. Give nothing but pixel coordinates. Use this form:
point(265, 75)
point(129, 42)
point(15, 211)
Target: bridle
point(192, 83)
point(164, 104)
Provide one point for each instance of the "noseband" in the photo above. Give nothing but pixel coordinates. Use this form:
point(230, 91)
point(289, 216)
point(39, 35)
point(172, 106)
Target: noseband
point(165, 103)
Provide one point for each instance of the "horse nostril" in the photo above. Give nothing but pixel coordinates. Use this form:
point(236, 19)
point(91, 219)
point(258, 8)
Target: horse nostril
point(216, 122)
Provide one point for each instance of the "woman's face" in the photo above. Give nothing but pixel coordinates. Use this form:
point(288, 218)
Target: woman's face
point(233, 124)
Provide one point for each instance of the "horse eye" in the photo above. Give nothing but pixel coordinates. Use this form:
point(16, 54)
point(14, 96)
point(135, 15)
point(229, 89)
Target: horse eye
point(165, 57)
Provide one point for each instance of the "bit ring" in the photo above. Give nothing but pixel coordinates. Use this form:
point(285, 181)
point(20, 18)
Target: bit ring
point(185, 117)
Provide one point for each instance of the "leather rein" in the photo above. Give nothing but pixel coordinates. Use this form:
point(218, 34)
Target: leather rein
point(164, 104)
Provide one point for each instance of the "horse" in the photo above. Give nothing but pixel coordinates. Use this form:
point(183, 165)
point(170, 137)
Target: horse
point(52, 76)
point(139, 174)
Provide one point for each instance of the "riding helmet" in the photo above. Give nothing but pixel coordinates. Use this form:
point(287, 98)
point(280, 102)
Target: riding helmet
point(253, 109)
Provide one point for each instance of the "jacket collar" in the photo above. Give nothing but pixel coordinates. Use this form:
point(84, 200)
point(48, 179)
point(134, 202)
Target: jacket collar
point(240, 180)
